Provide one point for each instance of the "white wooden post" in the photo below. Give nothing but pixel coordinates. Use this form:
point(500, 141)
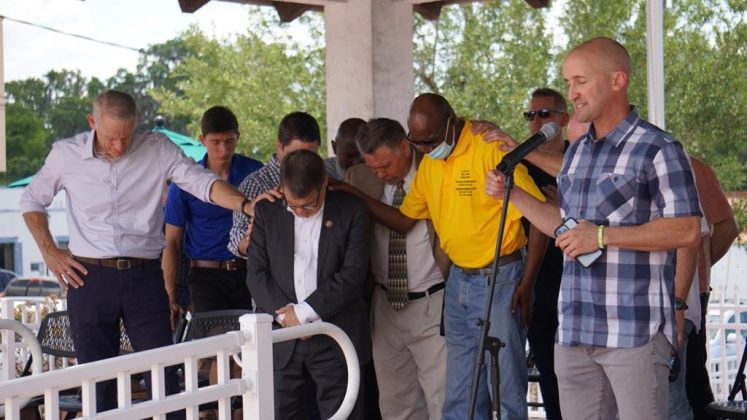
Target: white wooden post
point(256, 364)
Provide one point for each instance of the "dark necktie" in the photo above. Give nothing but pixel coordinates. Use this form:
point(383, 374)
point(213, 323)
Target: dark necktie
point(397, 279)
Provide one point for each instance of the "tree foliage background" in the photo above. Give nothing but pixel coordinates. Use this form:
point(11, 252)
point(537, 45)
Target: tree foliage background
point(485, 57)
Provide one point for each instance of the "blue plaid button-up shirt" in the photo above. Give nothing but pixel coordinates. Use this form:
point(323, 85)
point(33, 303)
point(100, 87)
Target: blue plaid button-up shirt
point(636, 174)
point(256, 183)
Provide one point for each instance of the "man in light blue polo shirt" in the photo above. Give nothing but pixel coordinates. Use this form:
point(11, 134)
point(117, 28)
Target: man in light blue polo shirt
point(217, 280)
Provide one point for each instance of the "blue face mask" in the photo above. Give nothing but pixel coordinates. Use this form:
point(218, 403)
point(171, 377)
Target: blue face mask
point(444, 149)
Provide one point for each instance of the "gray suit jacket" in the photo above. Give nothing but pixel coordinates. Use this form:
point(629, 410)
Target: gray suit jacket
point(361, 177)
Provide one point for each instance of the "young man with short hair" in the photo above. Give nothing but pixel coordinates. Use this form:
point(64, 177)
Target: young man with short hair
point(217, 280)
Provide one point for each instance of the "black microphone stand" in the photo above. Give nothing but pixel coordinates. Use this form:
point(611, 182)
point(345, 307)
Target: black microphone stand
point(492, 344)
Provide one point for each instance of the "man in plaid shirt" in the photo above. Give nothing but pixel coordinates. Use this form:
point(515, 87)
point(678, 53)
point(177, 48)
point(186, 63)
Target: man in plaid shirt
point(630, 187)
point(298, 130)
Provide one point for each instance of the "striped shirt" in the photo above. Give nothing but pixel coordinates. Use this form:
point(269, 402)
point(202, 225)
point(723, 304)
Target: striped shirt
point(636, 174)
point(261, 181)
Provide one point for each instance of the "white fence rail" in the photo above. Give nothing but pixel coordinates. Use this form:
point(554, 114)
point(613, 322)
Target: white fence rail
point(253, 342)
point(726, 336)
point(29, 338)
point(29, 311)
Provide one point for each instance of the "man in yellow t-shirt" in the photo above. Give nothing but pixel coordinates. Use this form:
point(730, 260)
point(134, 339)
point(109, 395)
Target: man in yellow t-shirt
point(449, 189)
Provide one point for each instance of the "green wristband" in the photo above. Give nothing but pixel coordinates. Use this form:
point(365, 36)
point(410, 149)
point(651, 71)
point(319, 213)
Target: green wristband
point(600, 236)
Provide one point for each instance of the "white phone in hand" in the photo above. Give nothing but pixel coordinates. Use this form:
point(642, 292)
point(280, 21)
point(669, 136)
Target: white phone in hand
point(587, 259)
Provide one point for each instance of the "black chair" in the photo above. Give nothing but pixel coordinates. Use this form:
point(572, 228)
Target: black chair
point(730, 409)
point(55, 340)
point(210, 323)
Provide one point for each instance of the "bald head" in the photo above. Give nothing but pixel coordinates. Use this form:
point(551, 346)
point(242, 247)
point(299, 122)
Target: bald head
point(597, 74)
point(429, 120)
point(608, 53)
point(344, 143)
point(431, 106)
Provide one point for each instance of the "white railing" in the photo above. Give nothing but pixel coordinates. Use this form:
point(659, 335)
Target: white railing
point(29, 311)
point(726, 332)
point(28, 337)
point(253, 342)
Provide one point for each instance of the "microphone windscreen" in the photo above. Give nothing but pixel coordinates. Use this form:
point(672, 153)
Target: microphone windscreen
point(550, 130)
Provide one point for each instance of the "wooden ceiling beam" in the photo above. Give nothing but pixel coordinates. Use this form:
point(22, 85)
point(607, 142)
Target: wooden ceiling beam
point(191, 6)
point(290, 11)
point(429, 11)
point(538, 4)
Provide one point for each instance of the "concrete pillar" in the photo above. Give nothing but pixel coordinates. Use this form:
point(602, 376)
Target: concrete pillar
point(368, 60)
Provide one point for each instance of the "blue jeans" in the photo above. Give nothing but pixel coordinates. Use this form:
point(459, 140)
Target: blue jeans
point(466, 296)
point(679, 406)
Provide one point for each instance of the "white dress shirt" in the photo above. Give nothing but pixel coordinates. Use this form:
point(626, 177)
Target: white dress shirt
point(115, 208)
point(422, 271)
point(305, 257)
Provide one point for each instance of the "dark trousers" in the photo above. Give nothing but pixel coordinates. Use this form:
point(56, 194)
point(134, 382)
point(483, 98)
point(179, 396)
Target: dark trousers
point(214, 289)
point(697, 381)
point(138, 298)
point(317, 359)
point(541, 337)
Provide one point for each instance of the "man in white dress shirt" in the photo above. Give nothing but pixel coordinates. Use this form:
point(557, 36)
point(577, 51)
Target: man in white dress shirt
point(113, 178)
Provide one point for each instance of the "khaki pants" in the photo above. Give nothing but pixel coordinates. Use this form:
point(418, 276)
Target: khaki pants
point(409, 356)
point(598, 382)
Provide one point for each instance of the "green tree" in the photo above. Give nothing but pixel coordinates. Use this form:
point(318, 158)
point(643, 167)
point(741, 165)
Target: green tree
point(485, 58)
point(740, 214)
point(155, 70)
point(259, 80)
point(705, 81)
point(26, 142)
point(62, 100)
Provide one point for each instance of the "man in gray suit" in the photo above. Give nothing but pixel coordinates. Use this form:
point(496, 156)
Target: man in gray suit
point(408, 273)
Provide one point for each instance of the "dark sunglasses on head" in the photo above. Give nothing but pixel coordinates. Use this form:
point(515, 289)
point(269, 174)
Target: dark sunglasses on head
point(542, 113)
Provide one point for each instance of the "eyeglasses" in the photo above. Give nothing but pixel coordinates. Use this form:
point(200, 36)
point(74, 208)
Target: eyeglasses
point(309, 206)
point(431, 141)
point(542, 113)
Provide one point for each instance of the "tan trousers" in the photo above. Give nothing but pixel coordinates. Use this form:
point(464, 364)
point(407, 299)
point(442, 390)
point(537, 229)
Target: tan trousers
point(598, 383)
point(409, 356)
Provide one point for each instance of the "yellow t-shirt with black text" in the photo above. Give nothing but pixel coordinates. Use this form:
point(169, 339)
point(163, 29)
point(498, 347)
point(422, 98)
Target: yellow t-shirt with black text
point(451, 193)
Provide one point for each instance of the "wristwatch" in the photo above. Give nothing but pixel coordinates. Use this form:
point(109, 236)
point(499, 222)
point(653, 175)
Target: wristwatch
point(680, 304)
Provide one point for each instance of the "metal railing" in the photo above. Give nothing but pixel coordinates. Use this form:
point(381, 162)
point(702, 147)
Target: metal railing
point(253, 342)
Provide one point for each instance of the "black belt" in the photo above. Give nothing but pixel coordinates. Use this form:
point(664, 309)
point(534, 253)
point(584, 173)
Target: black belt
point(488, 270)
point(230, 265)
point(419, 295)
point(120, 263)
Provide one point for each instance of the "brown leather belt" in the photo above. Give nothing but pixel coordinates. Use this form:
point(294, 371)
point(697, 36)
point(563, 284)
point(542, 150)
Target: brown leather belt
point(484, 271)
point(230, 265)
point(120, 263)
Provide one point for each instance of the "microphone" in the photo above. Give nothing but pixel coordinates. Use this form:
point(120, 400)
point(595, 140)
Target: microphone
point(510, 160)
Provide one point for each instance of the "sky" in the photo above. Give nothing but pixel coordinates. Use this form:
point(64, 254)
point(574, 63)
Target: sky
point(31, 52)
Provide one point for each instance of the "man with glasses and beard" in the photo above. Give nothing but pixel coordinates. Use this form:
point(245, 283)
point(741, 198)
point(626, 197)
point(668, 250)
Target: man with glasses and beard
point(307, 262)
